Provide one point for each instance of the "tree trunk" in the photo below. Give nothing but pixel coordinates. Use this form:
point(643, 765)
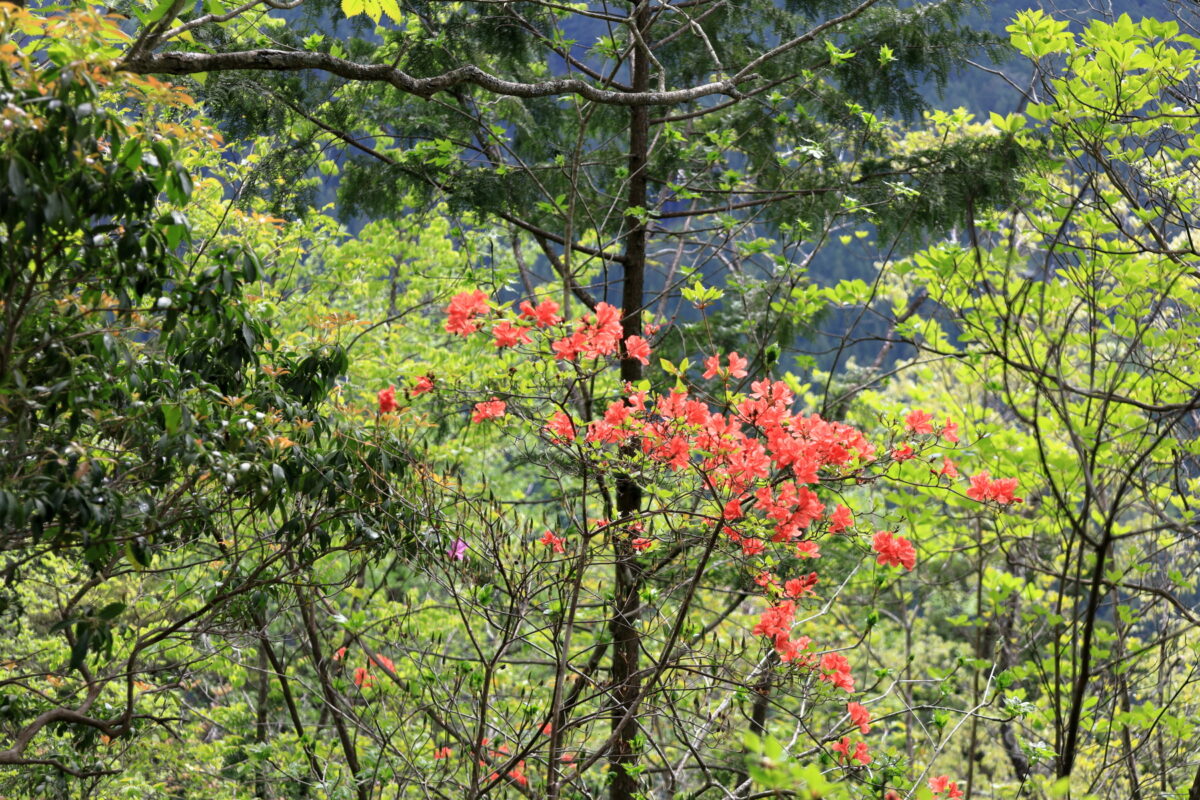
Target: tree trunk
point(625, 636)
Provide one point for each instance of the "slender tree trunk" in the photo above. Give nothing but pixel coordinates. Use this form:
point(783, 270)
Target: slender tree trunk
point(362, 785)
point(289, 701)
point(1066, 760)
point(1135, 783)
point(625, 636)
point(1007, 655)
point(260, 720)
point(758, 722)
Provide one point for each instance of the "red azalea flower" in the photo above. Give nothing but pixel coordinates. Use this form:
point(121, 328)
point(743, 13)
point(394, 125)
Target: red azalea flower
point(463, 309)
point(737, 365)
point(797, 587)
point(554, 542)
point(561, 426)
point(387, 400)
point(860, 716)
point(639, 348)
point(942, 783)
point(490, 409)
point(505, 334)
point(424, 384)
point(919, 422)
point(840, 519)
point(983, 488)
point(544, 314)
point(894, 551)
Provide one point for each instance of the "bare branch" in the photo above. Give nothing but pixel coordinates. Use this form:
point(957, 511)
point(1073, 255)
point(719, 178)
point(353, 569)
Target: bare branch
point(178, 63)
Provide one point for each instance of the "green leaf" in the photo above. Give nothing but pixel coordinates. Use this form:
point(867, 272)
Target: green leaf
point(83, 636)
point(392, 9)
point(111, 611)
point(158, 12)
point(172, 415)
point(136, 555)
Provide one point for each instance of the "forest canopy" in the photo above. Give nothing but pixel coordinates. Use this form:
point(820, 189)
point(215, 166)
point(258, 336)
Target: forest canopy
point(637, 400)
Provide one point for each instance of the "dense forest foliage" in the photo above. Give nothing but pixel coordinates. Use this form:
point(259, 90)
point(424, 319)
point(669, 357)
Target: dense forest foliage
point(676, 402)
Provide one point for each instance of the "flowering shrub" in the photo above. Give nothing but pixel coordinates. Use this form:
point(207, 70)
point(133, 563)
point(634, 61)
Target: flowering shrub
point(752, 479)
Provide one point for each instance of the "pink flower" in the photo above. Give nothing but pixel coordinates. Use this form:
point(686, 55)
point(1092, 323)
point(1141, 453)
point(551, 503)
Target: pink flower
point(942, 783)
point(980, 485)
point(1002, 491)
point(860, 716)
point(840, 519)
point(642, 544)
point(983, 488)
point(737, 365)
point(859, 752)
point(798, 587)
point(732, 510)
point(894, 551)
point(505, 334)
point(554, 542)
point(902, 453)
point(463, 309)
point(842, 748)
point(544, 314)
point(752, 547)
point(387, 400)
point(458, 550)
point(919, 422)
point(561, 426)
point(776, 621)
point(950, 431)
point(808, 549)
point(949, 468)
point(569, 347)
point(639, 348)
point(489, 409)
point(835, 670)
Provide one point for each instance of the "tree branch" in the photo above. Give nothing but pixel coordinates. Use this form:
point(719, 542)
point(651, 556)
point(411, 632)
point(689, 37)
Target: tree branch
point(179, 63)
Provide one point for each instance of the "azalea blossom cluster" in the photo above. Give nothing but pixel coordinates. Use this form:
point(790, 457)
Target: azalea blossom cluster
point(983, 489)
point(763, 462)
point(762, 466)
point(942, 783)
point(594, 335)
point(849, 751)
point(501, 753)
point(363, 678)
point(894, 551)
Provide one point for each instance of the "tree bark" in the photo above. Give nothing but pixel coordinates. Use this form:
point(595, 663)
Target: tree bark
point(625, 635)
